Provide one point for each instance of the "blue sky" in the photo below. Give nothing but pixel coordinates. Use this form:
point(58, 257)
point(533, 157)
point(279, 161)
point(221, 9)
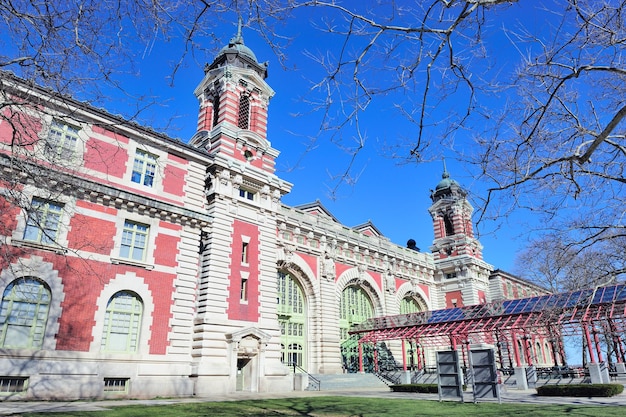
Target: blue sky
point(394, 196)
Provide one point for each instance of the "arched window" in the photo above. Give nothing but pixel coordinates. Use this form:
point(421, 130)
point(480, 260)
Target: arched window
point(24, 313)
point(355, 308)
point(522, 351)
point(292, 319)
point(448, 225)
point(244, 111)
point(122, 322)
point(409, 305)
point(216, 109)
point(294, 354)
point(539, 353)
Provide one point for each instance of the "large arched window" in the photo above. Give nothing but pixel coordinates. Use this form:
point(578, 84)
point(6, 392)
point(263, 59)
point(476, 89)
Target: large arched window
point(24, 313)
point(292, 319)
point(410, 305)
point(355, 308)
point(122, 322)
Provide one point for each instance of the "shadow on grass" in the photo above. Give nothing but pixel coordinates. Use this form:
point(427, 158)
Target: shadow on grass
point(348, 407)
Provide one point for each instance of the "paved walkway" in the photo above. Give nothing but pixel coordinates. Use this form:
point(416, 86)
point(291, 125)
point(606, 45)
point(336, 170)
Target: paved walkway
point(8, 408)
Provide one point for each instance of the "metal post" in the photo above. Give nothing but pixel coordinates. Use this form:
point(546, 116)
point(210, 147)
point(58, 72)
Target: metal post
point(518, 360)
point(596, 338)
point(592, 357)
point(360, 357)
point(375, 355)
point(403, 355)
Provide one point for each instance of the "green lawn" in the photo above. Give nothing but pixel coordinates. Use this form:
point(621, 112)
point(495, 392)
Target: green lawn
point(348, 406)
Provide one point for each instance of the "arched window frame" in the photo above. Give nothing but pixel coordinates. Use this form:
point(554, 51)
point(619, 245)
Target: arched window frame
point(44, 272)
point(24, 311)
point(125, 282)
point(123, 316)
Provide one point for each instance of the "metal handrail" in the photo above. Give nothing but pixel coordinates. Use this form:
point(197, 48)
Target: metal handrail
point(316, 382)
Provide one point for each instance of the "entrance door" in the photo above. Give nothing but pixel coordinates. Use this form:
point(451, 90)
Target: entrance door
point(243, 375)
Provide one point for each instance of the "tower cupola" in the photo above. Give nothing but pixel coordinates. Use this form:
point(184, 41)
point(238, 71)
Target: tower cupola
point(234, 98)
point(452, 220)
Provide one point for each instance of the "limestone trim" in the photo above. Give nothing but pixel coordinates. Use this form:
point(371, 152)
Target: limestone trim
point(125, 282)
point(407, 289)
point(359, 277)
point(36, 267)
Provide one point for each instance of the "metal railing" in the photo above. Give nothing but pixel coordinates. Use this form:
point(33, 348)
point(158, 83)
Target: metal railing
point(314, 383)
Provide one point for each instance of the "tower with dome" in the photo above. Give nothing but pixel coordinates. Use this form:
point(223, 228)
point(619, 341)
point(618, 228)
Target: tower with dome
point(173, 268)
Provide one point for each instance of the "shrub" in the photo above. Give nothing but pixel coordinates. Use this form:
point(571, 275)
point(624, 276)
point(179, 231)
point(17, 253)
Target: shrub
point(581, 390)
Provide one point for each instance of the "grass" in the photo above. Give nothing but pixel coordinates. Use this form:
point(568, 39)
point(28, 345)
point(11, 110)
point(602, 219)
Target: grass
point(347, 407)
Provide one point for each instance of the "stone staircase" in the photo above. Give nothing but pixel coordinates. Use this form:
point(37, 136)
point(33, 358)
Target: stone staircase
point(347, 382)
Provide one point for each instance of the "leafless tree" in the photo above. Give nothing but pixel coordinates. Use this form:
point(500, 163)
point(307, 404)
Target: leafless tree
point(537, 115)
point(559, 266)
point(75, 50)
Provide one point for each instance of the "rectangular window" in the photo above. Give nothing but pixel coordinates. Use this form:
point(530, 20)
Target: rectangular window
point(244, 289)
point(134, 241)
point(44, 219)
point(244, 252)
point(116, 384)
point(244, 111)
point(10, 385)
point(247, 194)
point(61, 142)
point(144, 168)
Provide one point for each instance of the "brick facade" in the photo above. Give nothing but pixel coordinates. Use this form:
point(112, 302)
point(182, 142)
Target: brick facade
point(195, 235)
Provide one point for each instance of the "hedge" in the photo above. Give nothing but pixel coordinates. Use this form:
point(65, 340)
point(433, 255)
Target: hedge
point(580, 390)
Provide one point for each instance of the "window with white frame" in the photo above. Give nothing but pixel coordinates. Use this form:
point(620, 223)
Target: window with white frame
point(247, 194)
point(144, 168)
point(244, 252)
point(61, 142)
point(43, 221)
point(122, 322)
point(24, 313)
point(134, 241)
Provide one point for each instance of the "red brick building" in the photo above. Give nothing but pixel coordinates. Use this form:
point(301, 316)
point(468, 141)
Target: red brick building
point(137, 265)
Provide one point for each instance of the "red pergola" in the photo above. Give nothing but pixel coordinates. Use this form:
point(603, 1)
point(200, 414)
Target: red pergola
point(589, 312)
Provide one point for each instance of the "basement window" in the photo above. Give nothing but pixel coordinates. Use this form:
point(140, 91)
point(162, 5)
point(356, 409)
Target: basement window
point(11, 385)
point(116, 384)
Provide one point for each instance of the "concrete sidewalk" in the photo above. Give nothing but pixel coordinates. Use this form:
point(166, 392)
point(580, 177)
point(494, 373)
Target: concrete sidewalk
point(8, 408)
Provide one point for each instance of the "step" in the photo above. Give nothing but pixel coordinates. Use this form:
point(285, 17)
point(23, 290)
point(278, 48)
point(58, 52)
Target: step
point(340, 382)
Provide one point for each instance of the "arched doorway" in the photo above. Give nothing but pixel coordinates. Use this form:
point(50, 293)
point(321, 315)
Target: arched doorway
point(414, 353)
point(355, 307)
point(292, 320)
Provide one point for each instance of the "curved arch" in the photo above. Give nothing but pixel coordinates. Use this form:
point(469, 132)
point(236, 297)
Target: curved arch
point(407, 289)
point(303, 272)
point(353, 275)
point(124, 282)
point(36, 267)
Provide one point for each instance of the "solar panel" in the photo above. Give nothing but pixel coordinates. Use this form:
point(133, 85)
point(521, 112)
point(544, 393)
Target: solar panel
point(562, 301)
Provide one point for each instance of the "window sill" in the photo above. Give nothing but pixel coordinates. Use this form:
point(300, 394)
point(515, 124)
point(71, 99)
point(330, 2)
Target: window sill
point(122, 261)
point(38, 245)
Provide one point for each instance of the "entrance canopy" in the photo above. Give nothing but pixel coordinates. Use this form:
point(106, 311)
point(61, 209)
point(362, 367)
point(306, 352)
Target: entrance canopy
point(566, 313)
